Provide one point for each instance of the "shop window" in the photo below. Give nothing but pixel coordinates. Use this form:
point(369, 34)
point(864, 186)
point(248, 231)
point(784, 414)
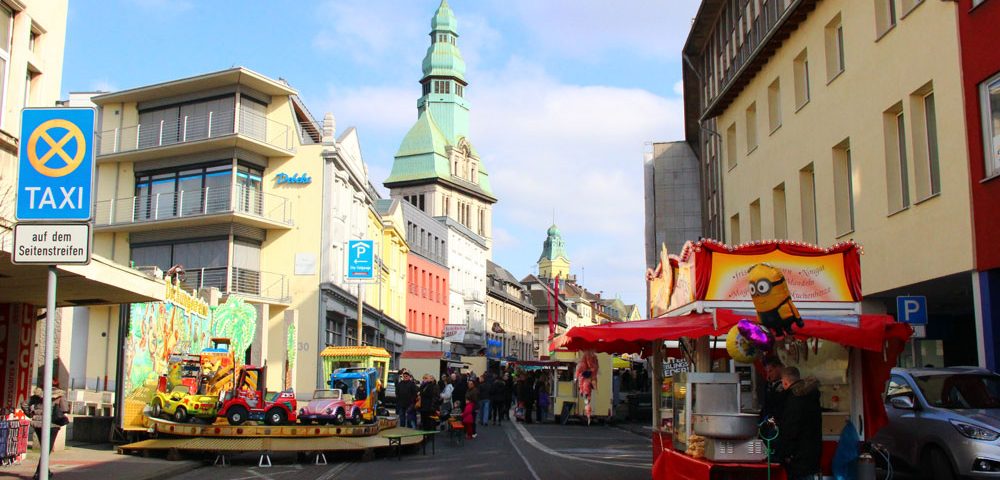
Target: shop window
point(828, 363)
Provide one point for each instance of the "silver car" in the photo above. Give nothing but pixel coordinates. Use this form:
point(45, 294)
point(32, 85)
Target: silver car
point(943, 422)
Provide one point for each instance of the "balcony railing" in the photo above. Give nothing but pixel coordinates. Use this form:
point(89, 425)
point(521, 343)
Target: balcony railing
point(191, 128)
point(192, 203)
point(266, 285)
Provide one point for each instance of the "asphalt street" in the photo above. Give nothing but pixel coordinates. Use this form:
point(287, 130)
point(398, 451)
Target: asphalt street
point(510, 452)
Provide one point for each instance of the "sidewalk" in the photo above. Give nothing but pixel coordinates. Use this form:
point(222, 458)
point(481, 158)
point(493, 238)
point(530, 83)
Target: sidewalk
point(98, 461)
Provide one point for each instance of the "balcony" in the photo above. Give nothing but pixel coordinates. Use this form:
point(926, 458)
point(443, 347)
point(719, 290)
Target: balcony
point(238, 204)
point(197, 133)
point(266, 286)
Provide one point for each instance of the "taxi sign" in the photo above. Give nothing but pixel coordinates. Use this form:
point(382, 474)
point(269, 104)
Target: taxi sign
point(56, 164)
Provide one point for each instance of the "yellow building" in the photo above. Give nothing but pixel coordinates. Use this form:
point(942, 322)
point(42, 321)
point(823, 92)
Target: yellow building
point(830, 121)
point(392, 289)
point(219, 173)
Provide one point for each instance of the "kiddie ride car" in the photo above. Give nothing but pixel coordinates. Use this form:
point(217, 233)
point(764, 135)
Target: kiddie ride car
point(329, 406)
point(366, 386)
point(180, 395)
point(249, 401)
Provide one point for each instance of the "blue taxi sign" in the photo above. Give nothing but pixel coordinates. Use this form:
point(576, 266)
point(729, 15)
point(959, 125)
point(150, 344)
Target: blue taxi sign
point(56, 164)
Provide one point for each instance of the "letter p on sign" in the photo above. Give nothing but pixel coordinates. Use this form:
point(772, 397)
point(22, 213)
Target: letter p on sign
point(912, 310)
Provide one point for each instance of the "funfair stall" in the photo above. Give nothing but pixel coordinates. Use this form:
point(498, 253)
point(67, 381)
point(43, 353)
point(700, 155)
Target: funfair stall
point(797, 302)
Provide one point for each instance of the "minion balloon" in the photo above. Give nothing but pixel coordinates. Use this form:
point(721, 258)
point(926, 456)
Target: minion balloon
point(772, 299)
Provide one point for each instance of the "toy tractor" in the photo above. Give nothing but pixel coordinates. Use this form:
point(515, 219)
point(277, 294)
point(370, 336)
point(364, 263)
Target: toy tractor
point(250, 401)
point(361, 385)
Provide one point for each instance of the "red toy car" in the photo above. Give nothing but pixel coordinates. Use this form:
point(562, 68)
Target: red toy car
point(249, 401)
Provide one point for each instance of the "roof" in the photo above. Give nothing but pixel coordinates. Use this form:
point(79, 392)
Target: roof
point(553, 247)
point(424, 137)
point(208, 81)
point(354, 351)
point(500, 273)
point(444, 58)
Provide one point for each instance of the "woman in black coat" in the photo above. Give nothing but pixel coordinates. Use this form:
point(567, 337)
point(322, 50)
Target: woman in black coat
point(800, 435)
point(429, 397)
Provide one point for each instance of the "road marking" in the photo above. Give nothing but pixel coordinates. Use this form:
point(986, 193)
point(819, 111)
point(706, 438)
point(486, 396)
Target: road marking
point(521, 454)
point(333, 472)
point(535, 443)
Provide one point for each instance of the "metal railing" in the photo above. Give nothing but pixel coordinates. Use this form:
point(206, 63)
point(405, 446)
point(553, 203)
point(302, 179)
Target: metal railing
point(191, 128)
point(191, 203)
point(242, 281)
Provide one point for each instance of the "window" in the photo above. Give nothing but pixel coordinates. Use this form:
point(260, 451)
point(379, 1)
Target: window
point(801, 70)
point(885, 16)
point(843, 187)
point(734, 229)
point(205, 260)
point(189, 191)
point(774, 104)
point(755, 220)
point(834, 48)
point(459, 89)
point(807, 204)
point(896, 168)
point(909, 5)
point(751, 116)
point(731, 146)
point(989, 102)
point(926, 169)
point(6, 25)
point(780, 212)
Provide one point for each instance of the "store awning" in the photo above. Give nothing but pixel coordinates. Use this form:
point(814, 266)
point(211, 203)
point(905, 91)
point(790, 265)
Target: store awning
point(101, 282)
point(871, 332)
point(354, 351)
point(637, 336)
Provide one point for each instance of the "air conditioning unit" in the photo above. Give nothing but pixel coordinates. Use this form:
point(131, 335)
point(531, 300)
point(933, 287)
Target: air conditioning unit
point(151, 270)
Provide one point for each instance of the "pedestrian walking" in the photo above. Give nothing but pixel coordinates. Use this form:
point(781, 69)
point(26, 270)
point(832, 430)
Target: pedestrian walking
point(472, 397)
point(485, 392)
point(59, 419)
point(800, 442)
point(469, 420)
point(406, 397)
point(498, 396)
point(429, 398)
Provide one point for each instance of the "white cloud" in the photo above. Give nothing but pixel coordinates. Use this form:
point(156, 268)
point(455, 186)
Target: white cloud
point(587, 28)
point(679, 87)
point(368, 32)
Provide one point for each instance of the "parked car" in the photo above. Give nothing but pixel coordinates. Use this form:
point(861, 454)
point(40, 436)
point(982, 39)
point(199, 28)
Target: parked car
point(390, 387)
point(943, 422)
point(328, 406)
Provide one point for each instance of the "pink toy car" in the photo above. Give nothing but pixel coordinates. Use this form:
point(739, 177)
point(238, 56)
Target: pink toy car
point(329, 406)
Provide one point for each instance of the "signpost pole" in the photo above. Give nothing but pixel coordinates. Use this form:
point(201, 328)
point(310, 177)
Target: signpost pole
point(361, 310)
point(50, 334)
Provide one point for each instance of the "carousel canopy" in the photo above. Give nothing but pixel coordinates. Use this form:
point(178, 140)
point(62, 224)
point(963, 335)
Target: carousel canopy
point(871, 332)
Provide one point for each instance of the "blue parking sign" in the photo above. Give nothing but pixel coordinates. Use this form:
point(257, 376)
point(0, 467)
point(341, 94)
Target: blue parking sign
point(360, 260)
point(912, 310)
point(56, 164)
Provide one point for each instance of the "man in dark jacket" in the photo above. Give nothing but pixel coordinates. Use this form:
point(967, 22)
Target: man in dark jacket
point(772, 393)
point(498, 397)
point(430, 395)
point(461, 385)
point(800, 439)
point(406, 397)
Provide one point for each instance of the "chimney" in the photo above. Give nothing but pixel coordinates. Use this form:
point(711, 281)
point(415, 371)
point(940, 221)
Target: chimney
point(329, 128)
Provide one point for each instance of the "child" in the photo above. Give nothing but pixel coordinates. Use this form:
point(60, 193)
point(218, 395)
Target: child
point(468, 419)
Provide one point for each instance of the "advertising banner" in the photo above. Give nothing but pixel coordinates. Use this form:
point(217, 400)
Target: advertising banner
point(817, 278)
point(17, 340)
point(454, 332)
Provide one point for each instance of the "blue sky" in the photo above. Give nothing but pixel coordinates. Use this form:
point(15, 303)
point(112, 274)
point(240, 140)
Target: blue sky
point(565, 95)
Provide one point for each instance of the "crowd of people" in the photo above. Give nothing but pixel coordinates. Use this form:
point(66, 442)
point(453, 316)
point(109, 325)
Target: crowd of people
point(475, 400)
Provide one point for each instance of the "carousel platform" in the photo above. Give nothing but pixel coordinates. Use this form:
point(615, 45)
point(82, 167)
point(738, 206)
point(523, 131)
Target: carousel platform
point(222, 429)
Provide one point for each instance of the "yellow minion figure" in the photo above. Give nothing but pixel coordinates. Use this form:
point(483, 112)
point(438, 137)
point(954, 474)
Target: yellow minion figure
point(772, 299)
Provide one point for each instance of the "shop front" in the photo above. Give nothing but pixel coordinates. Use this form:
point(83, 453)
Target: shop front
point(708, 413)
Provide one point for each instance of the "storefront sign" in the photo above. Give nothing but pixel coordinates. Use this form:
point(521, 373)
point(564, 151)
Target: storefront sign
point(819, 278)
point(17, 339)
point(299, 178)
point(454, 332)
point(494, 348)
point(675, 365)
point(183, 299)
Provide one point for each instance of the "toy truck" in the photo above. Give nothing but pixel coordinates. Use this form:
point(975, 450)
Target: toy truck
point(191, 386)
point(248, 400)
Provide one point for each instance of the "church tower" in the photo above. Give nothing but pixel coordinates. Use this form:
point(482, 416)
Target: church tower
point(553, 260)
point(436, 167)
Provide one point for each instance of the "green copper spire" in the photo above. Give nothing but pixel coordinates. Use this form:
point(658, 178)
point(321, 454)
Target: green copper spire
point(444, 77)
point(554, 246)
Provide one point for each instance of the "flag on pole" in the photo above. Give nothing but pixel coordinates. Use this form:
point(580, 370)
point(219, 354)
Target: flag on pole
point(554, 312)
